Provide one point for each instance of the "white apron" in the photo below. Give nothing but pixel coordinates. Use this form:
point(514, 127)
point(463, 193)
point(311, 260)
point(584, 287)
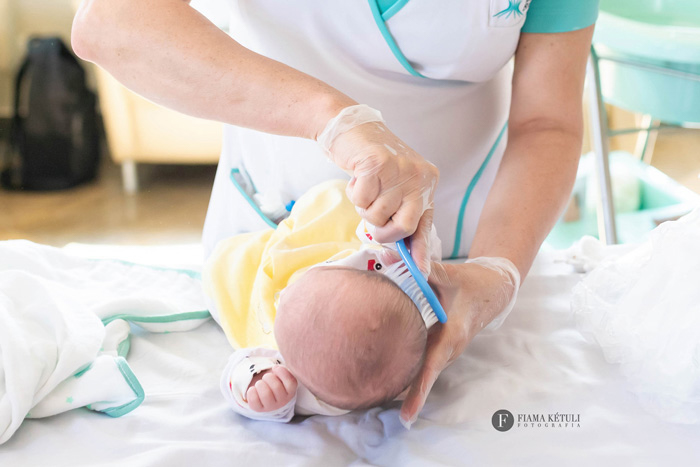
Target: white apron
point(452, 113)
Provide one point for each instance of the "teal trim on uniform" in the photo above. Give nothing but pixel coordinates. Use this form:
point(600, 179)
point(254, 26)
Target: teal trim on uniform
point(135, 386)
point(124, 346)
point(551, 16)
point(385, 5)
point(392, 9)
point(188, 315)
point(468, 193)
point(389, 39)
point(250, 201)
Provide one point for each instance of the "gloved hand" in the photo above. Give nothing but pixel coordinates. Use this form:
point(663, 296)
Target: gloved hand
point(474, 294)
point(392, 186)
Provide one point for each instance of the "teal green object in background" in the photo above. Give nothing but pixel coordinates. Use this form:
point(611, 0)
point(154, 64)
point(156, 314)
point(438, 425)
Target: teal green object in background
point(656, 35)
point(549, 16)
point(673, 13)
point(660, 198)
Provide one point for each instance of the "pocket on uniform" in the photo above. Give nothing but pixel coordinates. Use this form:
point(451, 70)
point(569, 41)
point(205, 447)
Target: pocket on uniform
point(508, 13)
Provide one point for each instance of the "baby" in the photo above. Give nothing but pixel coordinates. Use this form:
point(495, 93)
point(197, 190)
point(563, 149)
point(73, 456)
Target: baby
point(347, 336)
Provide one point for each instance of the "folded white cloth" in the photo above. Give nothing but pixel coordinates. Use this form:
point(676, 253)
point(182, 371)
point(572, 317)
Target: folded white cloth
point(643, 308)
point(64, 329)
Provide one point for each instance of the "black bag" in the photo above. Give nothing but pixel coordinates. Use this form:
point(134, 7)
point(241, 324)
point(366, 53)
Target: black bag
point(55, 134)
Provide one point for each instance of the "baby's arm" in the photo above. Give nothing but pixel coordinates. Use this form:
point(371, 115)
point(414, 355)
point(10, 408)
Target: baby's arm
point(257, 385)
point(271, 389)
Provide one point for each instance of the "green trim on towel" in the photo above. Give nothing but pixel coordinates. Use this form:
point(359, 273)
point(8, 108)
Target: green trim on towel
point(124, 346)
point(82, 372)
point(185, 316)
point(135, 386)
point(191, 273)
point(468, 193)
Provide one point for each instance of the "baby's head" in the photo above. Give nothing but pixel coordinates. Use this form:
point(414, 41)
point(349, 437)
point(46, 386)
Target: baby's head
point(352, 337)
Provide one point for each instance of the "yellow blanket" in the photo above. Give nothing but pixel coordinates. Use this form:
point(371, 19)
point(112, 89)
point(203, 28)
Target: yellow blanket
point(246, 272)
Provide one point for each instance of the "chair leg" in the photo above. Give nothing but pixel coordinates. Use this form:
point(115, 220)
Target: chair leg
point(130, 180)
point(644, 149)
point(599, 134)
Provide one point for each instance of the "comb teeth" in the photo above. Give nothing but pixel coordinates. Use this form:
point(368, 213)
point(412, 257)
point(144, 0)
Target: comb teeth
point(399, 273)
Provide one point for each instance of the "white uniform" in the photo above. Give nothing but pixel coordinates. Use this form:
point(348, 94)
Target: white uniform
point(453, 113)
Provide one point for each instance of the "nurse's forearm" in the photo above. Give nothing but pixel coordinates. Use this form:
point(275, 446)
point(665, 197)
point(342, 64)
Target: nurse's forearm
point(169, 53)
point(531, 190)
point(544, 145)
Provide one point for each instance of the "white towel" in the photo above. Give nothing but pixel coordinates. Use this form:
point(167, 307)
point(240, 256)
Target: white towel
point(64, 329)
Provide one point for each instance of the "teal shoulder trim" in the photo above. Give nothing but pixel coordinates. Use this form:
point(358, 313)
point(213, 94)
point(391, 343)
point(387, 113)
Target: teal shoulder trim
point(250, 201)
point(133, 382)
point(551, 16)
point(389, 39)
point(468, 193)
point(188, 315)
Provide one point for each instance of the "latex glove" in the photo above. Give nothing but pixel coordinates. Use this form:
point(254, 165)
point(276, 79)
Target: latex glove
point(474, 294)
point(271, 389)
point(392, 186)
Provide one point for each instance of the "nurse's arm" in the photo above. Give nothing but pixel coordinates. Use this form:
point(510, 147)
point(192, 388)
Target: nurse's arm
point(171, 54)
point(545, 132)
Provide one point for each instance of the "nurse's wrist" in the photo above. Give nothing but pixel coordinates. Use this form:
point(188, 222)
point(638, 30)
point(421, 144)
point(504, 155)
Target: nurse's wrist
point(325, 107)
point(514, 254)
point(346, 134)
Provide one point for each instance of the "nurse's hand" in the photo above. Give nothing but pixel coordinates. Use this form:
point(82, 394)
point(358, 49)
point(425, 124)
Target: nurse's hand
point(392, 186)
point(473, 294)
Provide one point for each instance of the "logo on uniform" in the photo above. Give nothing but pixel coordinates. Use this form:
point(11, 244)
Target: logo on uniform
point(513, 9)
point(507, 13)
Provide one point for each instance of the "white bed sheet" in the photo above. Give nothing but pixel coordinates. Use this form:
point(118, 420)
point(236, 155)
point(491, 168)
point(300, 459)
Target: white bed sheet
point(536, 363)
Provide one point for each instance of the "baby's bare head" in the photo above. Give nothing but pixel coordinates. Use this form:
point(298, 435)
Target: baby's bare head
point(352, 337)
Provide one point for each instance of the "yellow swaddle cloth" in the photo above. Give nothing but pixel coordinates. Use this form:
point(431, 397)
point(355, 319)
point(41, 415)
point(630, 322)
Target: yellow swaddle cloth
point(246, 272)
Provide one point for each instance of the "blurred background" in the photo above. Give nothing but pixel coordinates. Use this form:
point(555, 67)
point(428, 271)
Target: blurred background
point(142, 174)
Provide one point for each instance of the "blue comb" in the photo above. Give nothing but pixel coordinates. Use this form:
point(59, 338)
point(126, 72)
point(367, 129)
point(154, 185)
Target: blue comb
point(420, 280)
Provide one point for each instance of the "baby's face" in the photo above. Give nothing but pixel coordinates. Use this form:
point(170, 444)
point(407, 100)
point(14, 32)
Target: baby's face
point(352, 337)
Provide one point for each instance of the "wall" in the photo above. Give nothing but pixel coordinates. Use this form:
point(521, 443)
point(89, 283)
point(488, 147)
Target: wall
point(21, 19)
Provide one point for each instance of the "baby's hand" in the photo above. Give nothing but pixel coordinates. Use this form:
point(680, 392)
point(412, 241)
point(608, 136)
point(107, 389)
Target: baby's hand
point(271, 389)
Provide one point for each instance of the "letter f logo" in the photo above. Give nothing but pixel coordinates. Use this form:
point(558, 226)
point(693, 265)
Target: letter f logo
point(502, 420)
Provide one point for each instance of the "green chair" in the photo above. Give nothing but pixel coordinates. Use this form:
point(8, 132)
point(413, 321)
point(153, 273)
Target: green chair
point(645, 58)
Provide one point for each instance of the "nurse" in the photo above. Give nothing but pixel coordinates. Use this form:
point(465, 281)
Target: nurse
point(300, 84)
